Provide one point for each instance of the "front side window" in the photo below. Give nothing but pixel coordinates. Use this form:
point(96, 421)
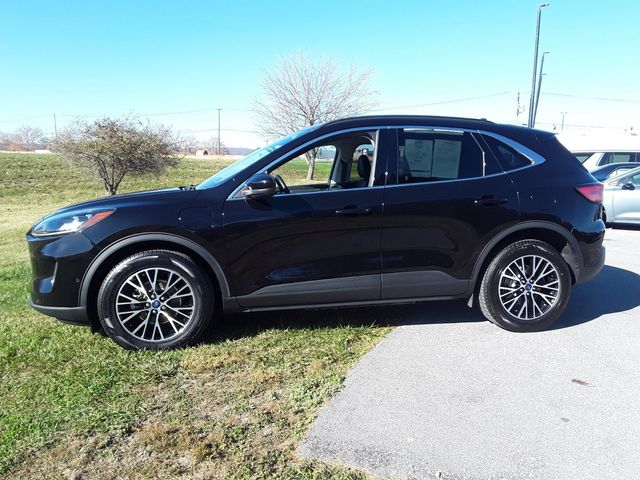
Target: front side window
point(633, 179)
point(362, 157)
point(345, 161)
point(426, 155)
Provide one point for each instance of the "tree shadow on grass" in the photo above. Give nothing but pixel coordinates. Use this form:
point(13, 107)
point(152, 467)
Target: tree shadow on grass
point(613, 290)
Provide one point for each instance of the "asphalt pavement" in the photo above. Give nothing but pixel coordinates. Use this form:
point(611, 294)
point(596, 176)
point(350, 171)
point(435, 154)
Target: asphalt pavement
point(448, 395)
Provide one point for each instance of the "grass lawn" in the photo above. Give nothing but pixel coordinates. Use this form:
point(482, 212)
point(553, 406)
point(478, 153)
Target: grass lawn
point(74, 405)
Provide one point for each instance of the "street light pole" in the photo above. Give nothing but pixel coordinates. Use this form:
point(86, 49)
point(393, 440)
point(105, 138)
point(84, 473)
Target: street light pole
point(535, 65)
point(535, 108)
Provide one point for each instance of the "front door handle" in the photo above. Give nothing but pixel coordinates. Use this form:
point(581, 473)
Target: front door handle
point(353, 211)
point(490, 200)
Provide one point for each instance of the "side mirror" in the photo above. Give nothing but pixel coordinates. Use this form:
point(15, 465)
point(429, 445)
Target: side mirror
point(628, 186)
point(261, 185)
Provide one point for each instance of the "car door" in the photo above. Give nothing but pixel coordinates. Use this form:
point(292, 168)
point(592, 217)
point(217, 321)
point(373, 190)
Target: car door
point(626, 199)
point(317, 244)
point(445, 198)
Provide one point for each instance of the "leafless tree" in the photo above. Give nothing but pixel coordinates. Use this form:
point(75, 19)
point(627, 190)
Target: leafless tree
point(297, 93)
point(113, 148)
point(5, 141)
point(188, 144)
point(212, 146)
point(29, 136)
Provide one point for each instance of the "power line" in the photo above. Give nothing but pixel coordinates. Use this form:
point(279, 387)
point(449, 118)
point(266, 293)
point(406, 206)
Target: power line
point(161, 114)
point(604, 99)
point(22, 119)
point(214, 129)
point(455, 100)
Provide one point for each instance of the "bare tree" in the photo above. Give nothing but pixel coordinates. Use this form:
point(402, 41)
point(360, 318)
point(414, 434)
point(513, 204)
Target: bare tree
point(188, 144)
point(212, 145)
point(29, 136)
point(5, 141)
point(113, 148)
point(298, 93)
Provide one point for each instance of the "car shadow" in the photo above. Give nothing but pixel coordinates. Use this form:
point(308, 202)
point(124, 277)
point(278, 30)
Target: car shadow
point(624, 226)
point(613, 290)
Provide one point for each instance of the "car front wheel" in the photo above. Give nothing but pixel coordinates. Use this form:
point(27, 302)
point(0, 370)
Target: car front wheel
point(156, 299)
point(526, 287)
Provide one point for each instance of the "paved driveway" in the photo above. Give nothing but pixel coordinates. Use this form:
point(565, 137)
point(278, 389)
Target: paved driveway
point(447, 395)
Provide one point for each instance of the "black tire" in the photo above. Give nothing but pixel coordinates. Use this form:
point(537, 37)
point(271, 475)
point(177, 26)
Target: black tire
point(168, 332)
point(494, 281)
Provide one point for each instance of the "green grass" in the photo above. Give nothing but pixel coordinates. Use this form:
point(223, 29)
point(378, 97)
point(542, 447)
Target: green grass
point(72, 403)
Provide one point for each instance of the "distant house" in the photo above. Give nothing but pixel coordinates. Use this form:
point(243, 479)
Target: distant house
point(202, 153)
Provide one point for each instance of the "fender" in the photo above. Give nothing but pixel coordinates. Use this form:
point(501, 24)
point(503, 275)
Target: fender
point(145, 237)
point(575, 261)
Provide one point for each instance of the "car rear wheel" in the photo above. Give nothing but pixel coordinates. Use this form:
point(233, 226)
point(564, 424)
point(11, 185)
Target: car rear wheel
point(156, 299)
point(526, 287)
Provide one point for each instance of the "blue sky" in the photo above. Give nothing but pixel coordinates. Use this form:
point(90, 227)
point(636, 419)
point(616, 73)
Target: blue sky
point(111, 58)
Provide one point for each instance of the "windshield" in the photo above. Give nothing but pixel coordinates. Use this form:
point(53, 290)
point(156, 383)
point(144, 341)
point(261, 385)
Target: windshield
point(619, 175)
point(233, 169)
point(582, 156)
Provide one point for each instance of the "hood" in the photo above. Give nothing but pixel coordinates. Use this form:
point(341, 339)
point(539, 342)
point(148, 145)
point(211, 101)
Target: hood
point(163, 195)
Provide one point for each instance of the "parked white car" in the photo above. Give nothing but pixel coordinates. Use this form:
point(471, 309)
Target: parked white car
point(622, 198)
point(592, 159)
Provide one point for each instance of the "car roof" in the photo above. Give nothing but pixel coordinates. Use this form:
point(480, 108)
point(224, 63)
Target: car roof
point(607, 150)
point(611, 166)
point(431, 121)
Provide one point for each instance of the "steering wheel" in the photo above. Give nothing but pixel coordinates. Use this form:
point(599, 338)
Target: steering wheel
point(281, 185)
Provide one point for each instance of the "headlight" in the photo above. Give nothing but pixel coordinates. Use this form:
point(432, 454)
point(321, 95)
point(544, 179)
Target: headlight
point(68, 222)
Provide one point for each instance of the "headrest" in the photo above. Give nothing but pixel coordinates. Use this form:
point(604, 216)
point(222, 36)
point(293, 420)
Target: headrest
point(364, 167)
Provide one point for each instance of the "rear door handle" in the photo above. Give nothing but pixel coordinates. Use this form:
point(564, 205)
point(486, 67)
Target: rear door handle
point(490, 200)
point(353, 211)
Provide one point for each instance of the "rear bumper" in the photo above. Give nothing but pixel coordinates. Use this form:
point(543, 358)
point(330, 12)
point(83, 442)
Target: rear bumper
point(72, 315)
point(591, 268)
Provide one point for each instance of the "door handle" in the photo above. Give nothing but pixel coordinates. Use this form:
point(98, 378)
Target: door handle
point(353, 211)
point(490, 200)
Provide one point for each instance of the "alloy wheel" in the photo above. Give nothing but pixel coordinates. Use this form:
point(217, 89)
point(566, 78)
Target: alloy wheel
point(529, 287)
point(155, 304)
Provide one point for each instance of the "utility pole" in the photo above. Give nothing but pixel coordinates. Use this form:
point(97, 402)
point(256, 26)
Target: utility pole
point(535, 108)
point(562, 125)
point(55, 126)
point(519, 107)
point(219, 131)
point(535, 65)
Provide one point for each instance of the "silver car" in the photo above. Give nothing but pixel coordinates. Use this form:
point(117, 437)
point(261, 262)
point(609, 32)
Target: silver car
point(622, 198)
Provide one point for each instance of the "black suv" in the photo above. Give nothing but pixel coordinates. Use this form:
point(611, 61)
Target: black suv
point(412, 208)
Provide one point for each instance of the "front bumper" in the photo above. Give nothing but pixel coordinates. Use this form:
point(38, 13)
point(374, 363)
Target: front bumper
point(72, 315)
point(58, 264)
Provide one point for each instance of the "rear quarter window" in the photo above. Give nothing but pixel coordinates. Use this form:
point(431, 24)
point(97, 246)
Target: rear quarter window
point(509, 158)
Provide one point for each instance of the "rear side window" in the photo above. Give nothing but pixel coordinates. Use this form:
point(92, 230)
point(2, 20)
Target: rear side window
point(616, 157)
point(509, 158)
point(430, 155)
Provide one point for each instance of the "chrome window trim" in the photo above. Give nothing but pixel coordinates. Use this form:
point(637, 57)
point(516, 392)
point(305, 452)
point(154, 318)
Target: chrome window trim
point(535, 158)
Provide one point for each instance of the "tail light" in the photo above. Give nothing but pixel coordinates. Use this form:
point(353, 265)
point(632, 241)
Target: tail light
point(594, 192)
